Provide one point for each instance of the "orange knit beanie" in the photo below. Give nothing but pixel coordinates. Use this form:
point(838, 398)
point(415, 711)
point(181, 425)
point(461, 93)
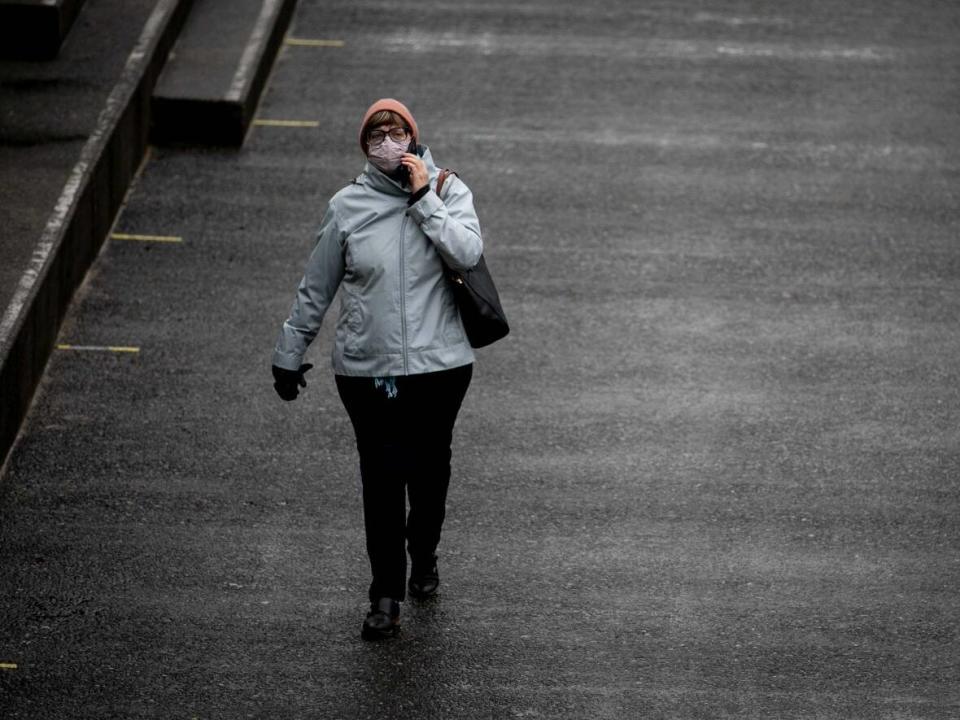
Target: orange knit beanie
point(393, 106)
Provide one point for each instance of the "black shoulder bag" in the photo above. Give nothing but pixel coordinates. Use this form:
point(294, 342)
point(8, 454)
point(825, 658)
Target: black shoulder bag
point(476, 296)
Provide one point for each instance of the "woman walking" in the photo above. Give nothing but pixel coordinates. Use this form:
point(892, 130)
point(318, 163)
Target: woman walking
point(401, 358)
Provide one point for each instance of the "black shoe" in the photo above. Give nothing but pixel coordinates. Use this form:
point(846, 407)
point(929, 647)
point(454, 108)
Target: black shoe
point(383, 620)
point(424, 579)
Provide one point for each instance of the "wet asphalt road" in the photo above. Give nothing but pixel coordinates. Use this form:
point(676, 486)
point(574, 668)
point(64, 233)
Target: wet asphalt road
point(713, 472)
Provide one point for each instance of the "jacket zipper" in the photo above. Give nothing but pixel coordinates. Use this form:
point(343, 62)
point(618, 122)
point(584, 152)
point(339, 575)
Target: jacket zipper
point(403, 296)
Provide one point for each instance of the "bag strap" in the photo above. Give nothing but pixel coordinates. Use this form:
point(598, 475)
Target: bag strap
point(442, 178)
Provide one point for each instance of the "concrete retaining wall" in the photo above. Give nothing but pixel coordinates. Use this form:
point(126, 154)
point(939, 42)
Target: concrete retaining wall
point(35, 29)
point(81, 220)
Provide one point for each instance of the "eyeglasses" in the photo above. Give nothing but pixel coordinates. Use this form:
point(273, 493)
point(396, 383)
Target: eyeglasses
point(397, 134)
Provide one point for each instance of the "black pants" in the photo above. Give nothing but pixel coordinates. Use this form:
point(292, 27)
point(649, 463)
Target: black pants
point(404, 431)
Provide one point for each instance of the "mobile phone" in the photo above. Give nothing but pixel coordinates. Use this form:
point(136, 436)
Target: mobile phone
point(403, 171)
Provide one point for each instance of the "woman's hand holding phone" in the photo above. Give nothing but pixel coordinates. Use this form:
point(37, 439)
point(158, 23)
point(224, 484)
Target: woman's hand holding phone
point(417, 168)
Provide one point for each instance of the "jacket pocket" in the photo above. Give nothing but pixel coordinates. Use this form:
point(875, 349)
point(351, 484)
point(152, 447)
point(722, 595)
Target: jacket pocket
point(352, 325)
point(452, 326)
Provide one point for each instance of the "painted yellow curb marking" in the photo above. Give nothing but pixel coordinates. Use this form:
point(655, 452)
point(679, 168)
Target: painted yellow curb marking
point(8, 666)
point(288, 123)
point(307, 42)
point(100, 348)
point(147, 238)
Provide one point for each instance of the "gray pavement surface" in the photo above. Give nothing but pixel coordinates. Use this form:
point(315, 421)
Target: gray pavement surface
point(48, 110)
point(712, 473)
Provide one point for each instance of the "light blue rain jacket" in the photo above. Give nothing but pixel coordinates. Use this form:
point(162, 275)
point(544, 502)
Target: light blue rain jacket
point(397, 312)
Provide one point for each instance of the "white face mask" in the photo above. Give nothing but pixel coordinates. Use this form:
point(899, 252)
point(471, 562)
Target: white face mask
point(386, 156)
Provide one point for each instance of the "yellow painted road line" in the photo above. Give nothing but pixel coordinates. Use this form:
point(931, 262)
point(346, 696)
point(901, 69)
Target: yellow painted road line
point(100, 348)
point(307, 42)
point(147, 238)
point(8, 666)
point(287, 123)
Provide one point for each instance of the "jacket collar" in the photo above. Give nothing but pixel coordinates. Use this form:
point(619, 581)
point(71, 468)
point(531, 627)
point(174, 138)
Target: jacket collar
point(378, 180)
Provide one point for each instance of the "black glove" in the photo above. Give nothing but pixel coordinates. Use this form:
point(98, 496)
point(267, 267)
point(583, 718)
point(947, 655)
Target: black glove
point(287, 383)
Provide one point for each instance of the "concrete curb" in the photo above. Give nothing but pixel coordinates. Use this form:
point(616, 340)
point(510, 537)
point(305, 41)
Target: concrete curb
point(35, 29)
point(187, 110)
point(81, 220)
